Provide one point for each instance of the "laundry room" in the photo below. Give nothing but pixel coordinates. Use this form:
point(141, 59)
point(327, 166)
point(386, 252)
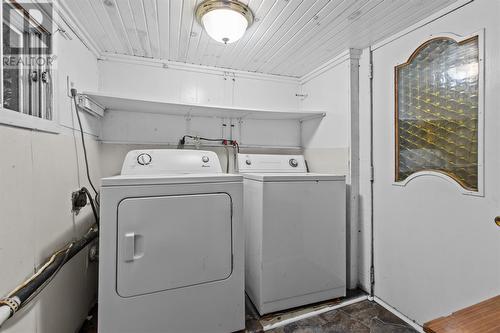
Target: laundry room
point(217, 166)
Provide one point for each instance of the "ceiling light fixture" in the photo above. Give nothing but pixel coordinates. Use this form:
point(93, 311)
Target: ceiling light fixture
point(224, 20)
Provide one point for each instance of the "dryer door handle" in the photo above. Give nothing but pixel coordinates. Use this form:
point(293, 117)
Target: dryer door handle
point(129, 247)
point(133, 246)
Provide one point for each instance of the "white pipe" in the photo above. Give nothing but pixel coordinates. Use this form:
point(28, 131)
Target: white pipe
point(5, 313)
point(314, 313)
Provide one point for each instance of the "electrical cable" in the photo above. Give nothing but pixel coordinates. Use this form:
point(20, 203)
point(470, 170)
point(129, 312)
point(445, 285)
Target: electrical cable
point(73, 94)
point(94, 210)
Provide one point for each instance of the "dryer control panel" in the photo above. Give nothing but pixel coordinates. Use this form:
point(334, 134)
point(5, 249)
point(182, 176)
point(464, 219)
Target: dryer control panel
point(170, 161)
point(264, 163)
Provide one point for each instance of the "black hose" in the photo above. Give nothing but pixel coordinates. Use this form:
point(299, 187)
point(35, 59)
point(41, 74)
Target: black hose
point(26, 292)
point(223, 142)
point(183, 140)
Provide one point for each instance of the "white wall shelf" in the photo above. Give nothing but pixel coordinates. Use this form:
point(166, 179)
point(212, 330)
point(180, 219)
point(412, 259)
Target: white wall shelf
point(120, 103)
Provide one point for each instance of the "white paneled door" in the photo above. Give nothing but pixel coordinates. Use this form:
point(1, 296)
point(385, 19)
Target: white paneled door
point(437, 247)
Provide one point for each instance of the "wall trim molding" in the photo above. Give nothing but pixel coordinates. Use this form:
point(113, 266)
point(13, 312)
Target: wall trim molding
point(349, 54)
point(161, 63)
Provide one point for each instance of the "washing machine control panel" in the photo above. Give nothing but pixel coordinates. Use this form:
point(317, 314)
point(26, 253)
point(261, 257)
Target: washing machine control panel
point(170, 161)
point(261, 163)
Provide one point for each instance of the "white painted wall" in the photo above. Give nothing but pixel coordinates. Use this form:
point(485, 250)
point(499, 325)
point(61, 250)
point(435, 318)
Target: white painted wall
point(205, 86)
point(331, 145)
point(38, 172)
point(326, 141)
point(208, 87)
point(155, 128)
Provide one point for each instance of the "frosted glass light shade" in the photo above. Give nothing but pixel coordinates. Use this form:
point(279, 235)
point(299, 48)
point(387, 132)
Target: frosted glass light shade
point(224, 25)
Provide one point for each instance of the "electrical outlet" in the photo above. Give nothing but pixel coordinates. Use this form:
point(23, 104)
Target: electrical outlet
point(78, 201)
point(69, 85)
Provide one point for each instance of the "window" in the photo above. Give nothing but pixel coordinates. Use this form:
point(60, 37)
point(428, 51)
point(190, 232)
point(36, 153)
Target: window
point(437, 114)
point(27, 60)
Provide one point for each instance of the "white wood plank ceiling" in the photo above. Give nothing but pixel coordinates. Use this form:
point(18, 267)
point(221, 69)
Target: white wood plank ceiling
point(289, 37)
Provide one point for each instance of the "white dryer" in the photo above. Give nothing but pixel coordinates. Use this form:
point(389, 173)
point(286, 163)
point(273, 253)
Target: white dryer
point(171, 246)
point(295, 232)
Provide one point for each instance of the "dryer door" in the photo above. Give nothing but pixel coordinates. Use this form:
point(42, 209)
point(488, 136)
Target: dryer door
point(172, 242)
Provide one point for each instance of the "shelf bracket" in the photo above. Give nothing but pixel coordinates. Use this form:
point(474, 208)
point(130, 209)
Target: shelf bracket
point(188, 123)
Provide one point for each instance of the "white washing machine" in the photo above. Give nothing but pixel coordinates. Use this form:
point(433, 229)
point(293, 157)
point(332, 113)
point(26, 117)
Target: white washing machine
point(171, 246)
point(295, 232)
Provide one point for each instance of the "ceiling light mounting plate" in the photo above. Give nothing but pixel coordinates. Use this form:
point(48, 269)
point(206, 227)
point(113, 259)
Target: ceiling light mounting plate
point(209, 5)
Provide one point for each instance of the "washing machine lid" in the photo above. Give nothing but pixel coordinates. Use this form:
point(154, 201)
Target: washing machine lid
point(291, 177)
point(134, 180)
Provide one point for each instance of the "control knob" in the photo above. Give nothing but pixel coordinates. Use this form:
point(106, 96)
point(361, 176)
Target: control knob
point(144, 159)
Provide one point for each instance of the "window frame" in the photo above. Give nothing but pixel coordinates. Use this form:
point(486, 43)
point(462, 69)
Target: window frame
point(480, 131)
point(19, 118)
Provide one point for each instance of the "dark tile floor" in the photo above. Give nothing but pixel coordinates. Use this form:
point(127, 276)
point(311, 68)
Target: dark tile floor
point(362, 317)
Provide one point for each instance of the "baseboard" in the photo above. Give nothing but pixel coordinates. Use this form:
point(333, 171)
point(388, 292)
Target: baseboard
point(314, 313)
point(399, 314)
